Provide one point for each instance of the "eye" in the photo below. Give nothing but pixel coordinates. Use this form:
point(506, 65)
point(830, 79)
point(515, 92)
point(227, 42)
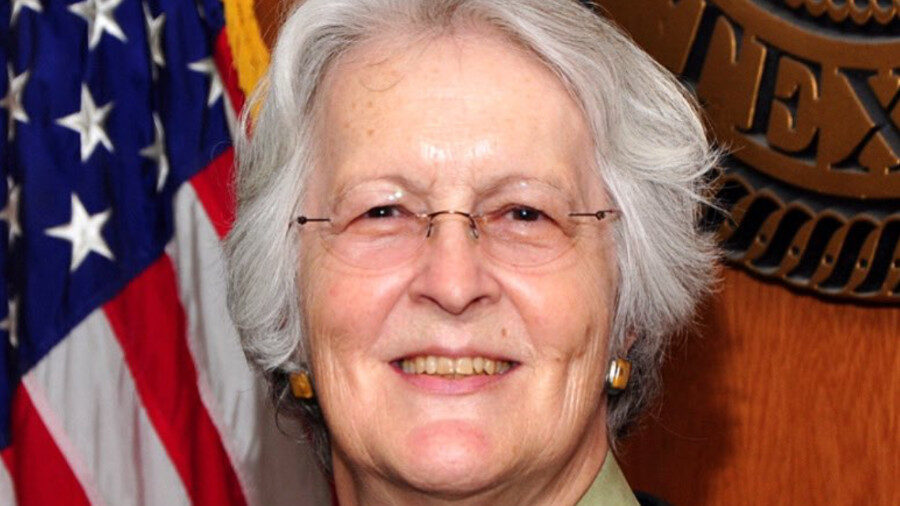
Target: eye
point(525, 213)
point(383, 212)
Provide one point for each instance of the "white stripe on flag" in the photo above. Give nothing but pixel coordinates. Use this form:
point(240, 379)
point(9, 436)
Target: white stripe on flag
point(86, 383)
point(231, 118)
point(281, 471)
point(7, 491)
point(225, 382)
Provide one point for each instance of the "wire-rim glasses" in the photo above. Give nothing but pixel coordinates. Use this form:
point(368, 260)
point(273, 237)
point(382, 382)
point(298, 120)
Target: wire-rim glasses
point(376, 230)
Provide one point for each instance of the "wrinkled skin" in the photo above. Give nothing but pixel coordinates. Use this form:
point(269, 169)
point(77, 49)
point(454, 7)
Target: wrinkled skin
point(454, 116)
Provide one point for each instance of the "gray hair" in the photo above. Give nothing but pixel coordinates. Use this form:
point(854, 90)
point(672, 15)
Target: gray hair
point(651, 152)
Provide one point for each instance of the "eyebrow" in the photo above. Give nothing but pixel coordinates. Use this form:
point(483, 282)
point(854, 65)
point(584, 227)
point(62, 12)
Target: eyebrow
point(400, 180)
point(492, 185)
point(511, 179)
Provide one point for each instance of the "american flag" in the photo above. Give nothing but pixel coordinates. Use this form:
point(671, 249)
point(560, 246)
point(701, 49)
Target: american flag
point(122, 377)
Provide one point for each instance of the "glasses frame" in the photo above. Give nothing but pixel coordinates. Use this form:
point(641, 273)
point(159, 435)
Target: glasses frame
point(472, 219)
point(599, 214)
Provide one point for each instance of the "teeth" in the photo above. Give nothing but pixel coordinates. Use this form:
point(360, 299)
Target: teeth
point(420, 364)
point(446, 366)
point(464, 366)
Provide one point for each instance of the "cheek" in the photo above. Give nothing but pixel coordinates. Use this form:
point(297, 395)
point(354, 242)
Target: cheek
point(346, 309)
point(567, 314)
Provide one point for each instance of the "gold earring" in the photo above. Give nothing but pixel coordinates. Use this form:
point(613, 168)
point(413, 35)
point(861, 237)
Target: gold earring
point(301, 385)
point(618, 376)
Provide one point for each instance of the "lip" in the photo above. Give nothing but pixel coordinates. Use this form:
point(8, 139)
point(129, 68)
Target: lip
point(461, 386)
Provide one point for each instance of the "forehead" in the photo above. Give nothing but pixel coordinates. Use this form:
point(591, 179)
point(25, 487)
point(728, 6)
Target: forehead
point(458, 111)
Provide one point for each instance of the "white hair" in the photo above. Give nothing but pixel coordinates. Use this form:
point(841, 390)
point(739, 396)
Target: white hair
point(651, 152)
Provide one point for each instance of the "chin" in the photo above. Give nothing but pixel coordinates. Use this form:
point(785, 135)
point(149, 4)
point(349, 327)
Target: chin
point(449, 458)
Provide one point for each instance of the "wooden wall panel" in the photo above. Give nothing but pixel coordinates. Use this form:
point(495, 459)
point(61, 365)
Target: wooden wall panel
point(270, 14)
point(781, 399)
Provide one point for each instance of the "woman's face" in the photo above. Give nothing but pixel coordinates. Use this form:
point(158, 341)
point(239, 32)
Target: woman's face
point(452, 124)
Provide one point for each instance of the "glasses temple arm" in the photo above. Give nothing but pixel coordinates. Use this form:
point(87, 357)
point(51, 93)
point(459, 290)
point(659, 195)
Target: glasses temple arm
point(596, 214)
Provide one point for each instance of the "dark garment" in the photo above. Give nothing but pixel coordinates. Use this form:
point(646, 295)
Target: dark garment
point(648, 500)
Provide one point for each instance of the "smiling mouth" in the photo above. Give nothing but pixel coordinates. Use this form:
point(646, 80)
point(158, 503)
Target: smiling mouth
point(453, 368)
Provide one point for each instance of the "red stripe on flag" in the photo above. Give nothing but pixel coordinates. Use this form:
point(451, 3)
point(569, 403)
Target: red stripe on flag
point(149, 322)
point(225, 64)
point(7, 456)
point(213, 187)
point(40, 472)
point(213, 184)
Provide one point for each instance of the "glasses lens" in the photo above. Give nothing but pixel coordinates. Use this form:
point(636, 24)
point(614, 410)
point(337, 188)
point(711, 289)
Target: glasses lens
point(375, 228)
point(522, 225)
point(527, 233)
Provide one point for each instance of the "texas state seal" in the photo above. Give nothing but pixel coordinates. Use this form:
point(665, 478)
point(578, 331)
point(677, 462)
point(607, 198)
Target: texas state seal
point(805, 94)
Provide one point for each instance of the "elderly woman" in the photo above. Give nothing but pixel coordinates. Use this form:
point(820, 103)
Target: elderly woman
point(461, 223)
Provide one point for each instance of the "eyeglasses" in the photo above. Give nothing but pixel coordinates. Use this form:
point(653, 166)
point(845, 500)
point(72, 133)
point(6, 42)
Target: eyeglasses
point(378, 229)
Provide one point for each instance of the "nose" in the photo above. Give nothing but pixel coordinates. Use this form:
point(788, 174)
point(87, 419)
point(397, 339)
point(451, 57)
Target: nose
point(433, 216)
point(453, 276)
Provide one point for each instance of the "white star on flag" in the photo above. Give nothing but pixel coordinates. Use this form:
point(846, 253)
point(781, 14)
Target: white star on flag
point(84, 231)
point(88, 122)
point(100, 18)
point(10, 213)
point(10, 323)
point(12, 102)
point(208, 67)
point(154, 37)
point(157, 152)
point(17, 6)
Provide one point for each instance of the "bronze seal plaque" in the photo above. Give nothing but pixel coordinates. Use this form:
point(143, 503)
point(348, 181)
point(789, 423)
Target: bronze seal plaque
point(806, 95)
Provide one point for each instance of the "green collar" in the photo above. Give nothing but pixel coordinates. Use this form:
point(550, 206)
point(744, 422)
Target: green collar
point(609, 487)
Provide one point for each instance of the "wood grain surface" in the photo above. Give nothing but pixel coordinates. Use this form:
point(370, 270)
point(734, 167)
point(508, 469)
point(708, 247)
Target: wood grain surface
point(781, 399)
point(270, 14)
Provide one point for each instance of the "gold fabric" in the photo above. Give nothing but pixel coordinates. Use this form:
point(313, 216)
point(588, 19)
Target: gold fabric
point(249, 53)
